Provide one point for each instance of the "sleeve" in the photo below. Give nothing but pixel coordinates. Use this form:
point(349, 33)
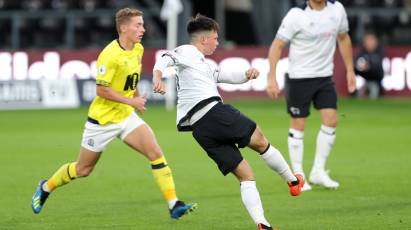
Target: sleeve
point(106, 68)
point(228, 74)
point(165, 61)
point(288, 27)
point(231, 77)
point(343, 27)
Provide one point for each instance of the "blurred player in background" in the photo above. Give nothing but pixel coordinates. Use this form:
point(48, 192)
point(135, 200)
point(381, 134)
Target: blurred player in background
point(219, 128)
point(112, 114)
point(312, 31)
point(368, 64)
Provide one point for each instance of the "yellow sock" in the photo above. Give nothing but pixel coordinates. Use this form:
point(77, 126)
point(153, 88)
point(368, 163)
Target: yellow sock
point(164, 178)
point(62, 176)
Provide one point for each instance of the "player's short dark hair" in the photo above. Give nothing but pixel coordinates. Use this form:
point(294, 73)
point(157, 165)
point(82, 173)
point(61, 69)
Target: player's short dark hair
point(201, 23)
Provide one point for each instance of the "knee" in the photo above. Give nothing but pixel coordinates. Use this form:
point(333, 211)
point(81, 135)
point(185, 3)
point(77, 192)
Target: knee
point(245, 175)
point(330, 122)
point(258, 141)
point(243, 172)
point(298, 124)
point(154, 153)
point(329, 117)
point(261, 144)
point(83, 171)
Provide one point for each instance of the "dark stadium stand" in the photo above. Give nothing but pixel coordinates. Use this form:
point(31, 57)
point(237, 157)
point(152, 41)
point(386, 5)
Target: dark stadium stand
point(44, 23)
point(89, 23)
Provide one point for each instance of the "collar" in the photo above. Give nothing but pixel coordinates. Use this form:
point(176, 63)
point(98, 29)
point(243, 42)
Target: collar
point(306, 4)
point(118, 42)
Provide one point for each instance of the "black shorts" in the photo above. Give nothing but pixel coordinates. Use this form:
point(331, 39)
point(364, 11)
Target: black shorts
point(300, 92)
point(220, 132)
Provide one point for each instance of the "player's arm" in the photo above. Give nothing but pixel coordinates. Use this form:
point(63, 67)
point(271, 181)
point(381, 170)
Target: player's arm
point(161, 64)
point(233, 77)
point(136, 93)
point(274, 55)
point(158, 84)
point(345, 47)
point(110, 94)
point(287, 30)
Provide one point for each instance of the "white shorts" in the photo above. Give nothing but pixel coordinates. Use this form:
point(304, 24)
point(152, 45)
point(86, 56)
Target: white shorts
point(97, 137)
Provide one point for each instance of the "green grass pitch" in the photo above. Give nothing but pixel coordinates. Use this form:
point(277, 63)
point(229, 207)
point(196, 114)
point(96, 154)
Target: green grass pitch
point(371, 159)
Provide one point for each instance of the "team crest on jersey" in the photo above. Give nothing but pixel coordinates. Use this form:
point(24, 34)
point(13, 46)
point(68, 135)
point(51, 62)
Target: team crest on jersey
point(102, 69)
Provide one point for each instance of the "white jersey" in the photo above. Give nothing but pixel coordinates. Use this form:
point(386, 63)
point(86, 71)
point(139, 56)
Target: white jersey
point(196, 81)
point(312, 35)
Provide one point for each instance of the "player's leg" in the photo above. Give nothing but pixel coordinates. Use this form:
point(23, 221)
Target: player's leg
point(275, 160)
point(81, 168)
point(237, 128)
point(65, 174)
point(228, 159)
point(325, 141)
point(295, 142)
point(219, 127)
point(249, 193)
point(298, 95)
point(326, 102)
point(373, 89)
point(94, 141)
point(142, 139)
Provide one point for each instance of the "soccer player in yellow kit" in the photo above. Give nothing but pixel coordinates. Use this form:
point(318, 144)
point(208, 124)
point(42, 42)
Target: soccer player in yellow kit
point(112, 114)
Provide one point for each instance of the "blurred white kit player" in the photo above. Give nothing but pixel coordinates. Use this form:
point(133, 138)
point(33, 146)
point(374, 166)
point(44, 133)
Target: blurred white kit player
point(312, 30)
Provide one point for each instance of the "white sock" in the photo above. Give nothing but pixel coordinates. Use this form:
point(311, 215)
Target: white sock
point(252, 202)
point(171, 203)
point(275, 160)
point(325, 142)
point(296, 150)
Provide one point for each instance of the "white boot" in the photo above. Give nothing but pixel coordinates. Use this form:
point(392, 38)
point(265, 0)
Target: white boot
point(306, 186)
point(321, 177)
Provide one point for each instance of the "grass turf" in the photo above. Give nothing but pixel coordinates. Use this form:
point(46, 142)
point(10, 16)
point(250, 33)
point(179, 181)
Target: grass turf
point(370, 159)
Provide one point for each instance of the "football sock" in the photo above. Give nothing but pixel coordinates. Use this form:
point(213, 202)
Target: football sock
point(296, 150)
point(275, 160)
point(164, 179)
point(62, 176)
point(252, 202)
point(325, 142)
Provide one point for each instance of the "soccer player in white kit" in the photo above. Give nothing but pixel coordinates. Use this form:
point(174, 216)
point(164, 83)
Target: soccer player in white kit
point(219, 128)
point(312, 30)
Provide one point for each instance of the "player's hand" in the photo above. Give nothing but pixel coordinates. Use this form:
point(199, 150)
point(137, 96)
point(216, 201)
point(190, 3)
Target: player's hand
point(158, 85)
point(252, 73)
point(139, 103)
point(272, 89)
point(351, 81)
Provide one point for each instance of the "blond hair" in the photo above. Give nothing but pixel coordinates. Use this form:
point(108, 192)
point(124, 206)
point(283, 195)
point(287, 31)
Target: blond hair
point(124, 15)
